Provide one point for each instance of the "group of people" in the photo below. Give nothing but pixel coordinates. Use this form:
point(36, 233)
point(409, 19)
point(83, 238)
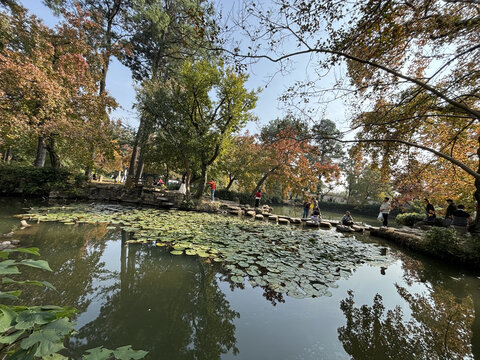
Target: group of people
point(455, 214)
point(311, 204)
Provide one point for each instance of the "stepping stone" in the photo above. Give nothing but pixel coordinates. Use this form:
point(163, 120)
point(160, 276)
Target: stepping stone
point(345, 229)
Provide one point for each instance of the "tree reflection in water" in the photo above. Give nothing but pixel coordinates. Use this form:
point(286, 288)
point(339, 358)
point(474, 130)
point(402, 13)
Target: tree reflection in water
point(171, 307)
point(440, 328)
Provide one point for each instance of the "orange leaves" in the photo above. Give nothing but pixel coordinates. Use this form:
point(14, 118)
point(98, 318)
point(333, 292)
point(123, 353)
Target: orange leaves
point(48, 85)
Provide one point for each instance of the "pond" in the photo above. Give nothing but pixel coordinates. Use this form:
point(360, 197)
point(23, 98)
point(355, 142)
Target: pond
point(247, 291)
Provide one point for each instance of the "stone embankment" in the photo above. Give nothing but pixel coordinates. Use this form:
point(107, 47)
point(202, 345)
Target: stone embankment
point(140, 195)
point(407, 237)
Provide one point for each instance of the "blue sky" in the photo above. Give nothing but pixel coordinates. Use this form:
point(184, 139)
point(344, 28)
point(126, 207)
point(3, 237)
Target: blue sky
point(122, 87)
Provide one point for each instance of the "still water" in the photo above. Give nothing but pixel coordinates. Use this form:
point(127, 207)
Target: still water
point(184, 307)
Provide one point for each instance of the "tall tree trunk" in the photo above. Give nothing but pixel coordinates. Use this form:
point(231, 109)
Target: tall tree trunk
point(52, 152)
point(41, 153)
point(139, 172)
point(202, 183)
point(187, 175)
point(264, 177)
point(8, 156)
point(230, 183)
point(167, 175)
point(476, 224)
point(132, 170)
point(88, 172)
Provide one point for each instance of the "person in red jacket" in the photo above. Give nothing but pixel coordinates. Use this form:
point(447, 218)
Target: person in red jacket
point(258, 197)
point(212, 188)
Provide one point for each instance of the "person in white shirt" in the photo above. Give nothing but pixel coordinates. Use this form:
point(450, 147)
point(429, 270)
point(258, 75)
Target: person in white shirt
point(385, 210)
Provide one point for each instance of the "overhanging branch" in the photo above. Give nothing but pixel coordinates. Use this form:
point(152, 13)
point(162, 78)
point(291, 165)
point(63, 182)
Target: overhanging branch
point(418, 146)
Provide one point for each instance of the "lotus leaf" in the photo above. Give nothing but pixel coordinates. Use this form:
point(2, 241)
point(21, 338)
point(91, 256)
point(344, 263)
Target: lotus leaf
point(286, 261)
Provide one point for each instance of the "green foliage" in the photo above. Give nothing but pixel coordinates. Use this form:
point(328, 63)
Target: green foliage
point(409, 219)
point(416, 206)
point(39, 332)
point(189, 203)
point(246, 198)
point(32, 181)
point(442, 240)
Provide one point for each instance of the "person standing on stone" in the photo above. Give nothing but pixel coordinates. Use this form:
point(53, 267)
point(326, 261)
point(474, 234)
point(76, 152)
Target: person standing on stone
point(212, 189)
point(449, 213)
point(306, 208)
point(258, 197)
point(385, 210)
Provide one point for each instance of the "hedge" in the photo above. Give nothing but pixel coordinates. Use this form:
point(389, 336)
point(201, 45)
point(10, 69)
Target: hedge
point(31, 181)
point(245, 198)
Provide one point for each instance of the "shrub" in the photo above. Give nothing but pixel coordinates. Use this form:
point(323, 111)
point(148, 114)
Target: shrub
point(189, 203)
point(409, 219)
point(442, 241)
point(246, 198)
point(31, 181)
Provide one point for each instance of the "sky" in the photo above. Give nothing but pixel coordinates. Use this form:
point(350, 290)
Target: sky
point(263, 75)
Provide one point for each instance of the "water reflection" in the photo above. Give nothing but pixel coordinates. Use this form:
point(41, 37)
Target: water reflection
point(180, 307)
point(440, 327)
point(171, 307)
point(74, 253)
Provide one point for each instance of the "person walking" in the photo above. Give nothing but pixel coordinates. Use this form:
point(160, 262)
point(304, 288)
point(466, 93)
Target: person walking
point(306, 208)
point(449, 213)
point(385, 210)
point(212, 189)
point(258, 197)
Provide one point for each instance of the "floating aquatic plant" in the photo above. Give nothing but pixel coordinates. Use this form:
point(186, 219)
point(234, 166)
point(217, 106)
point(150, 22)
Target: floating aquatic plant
point(296, 262)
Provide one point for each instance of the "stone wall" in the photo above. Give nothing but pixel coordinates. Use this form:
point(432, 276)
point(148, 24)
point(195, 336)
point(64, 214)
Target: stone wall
point(117, 192)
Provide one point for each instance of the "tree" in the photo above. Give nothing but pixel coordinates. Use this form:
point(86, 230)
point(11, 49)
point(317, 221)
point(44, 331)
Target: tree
point(286, 153)
point(109, 17)
point(165, 33)
point(49, 87)
point(199, 112)
point(330, 154)
point(403, 53)
point(241, 162)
